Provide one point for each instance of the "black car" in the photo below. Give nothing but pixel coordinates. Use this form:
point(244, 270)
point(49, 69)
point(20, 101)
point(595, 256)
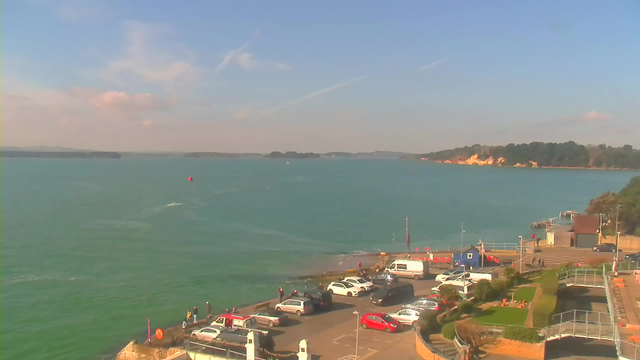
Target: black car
point(606, 247)
point(385, 278)
point(321, 299)
point(392, 294)
point(633, 257)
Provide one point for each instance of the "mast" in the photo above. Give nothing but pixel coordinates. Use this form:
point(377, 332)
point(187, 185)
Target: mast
point(408, 236)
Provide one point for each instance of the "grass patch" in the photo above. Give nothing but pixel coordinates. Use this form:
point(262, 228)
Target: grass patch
point(503, 315)
point(525, 293)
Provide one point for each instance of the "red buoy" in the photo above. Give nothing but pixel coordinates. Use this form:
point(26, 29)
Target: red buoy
point(190, 178)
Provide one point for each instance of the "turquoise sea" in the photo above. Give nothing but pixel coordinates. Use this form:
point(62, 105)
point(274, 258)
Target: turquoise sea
point(92, 248)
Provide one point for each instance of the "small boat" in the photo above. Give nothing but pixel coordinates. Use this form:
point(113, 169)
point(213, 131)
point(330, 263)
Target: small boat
point(287, 162)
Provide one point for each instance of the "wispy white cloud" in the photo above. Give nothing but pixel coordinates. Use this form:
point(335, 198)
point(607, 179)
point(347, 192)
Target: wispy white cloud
point(315, 94)
point(430, 65)
point(143, 61)
point(593, 116)
point(246, 60)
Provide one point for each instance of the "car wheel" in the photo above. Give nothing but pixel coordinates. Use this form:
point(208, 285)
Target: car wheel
point(331, 291)
point(597, 250)
point(194, 336)
point(349, 294)
point(414, 324)
point(387, 330)
point(278, 308)
point(364, 326)
point(416, 277)
point(271, 324)
point(613, 250)
point(298, 312)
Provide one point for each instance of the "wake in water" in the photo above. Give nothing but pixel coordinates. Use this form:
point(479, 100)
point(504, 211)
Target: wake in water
point(174, 204)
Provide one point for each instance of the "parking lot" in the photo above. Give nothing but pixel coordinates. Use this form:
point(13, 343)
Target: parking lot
point(332, 335)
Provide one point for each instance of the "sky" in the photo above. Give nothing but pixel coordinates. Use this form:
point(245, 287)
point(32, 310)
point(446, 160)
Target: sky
point(260, 76)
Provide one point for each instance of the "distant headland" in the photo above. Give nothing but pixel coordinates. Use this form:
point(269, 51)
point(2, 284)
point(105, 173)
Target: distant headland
point(538, 154)
point(291, 155)
point(61, 154)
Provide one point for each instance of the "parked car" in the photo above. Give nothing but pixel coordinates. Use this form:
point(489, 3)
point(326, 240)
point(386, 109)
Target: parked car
point(238, 321)
point(416, 269)
point(297, 305)
point(321, 299)
point(384, 278)
point(422, 304)
point(635, 257)
point(476, 276)
point(450, 275)
point(465, 288)
point(208, 333)
point(271, 318)
point(380, 321)
point(392, 294)
point(363, 284)
point(406, 316)
point(606, 247)
point(343, 288)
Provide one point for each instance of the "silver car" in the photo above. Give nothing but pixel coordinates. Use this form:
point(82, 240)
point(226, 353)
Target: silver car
point(208, 333)
point(422, 304)
point(296, 305)
point(270, 318)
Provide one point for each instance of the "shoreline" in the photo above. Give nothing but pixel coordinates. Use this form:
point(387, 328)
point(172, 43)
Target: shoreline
point(528, 167)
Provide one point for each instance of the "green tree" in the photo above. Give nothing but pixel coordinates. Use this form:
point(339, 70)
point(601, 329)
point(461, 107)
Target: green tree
point(484, 290)
point(449, 295)
point(630, 209)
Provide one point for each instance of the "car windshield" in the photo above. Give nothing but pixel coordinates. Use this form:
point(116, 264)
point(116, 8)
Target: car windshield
point(387, 318)
point(347, 285)
point(448, 272)
point(361, 281)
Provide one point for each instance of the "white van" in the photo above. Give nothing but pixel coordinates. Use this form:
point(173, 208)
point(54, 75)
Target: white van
point(465, 288)
point(416, 269)
point(476, 276)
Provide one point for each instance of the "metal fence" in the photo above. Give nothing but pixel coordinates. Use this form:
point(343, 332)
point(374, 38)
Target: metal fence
point(507, 246)
point(582, 277)
point(582, 324)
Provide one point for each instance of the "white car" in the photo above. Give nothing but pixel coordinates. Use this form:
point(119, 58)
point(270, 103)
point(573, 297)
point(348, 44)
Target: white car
point(450, 275)
point(209, 333)
point(343, 288)
point(364, 285)
point(406, 316)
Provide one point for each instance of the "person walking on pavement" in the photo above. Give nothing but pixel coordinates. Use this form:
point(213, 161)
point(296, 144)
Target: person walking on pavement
point(359, 266)
point(539, 262)
point(208, 308)
point(195, 314)
point(543, 263)
point(280, 293)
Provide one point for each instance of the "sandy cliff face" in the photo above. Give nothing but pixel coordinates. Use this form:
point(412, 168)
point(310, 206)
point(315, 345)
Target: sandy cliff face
point(475, 160)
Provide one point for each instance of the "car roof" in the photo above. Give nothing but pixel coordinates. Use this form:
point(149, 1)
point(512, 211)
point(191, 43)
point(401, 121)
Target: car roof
point(354, 277)
point(299, 298)
point(235, 316)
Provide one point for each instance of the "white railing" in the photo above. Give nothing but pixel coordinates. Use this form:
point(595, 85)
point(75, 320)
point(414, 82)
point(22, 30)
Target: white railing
point(580, 323)
point(582, 277)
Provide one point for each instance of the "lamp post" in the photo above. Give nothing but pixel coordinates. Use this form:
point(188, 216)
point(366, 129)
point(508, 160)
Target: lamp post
point(357, 314)
point(617, 232)
point(521, 250)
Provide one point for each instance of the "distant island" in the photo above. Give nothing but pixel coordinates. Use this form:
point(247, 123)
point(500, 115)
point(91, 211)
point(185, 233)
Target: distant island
point(538, 154)
point(374, 154)
point(60, 154)
point(221, 155)
point(291, 155)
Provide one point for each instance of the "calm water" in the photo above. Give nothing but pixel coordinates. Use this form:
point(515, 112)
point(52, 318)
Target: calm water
point(91, 248)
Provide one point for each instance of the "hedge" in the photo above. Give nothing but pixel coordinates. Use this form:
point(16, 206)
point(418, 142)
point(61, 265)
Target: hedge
point(465, 307)
point(449, 331)
point(428, 322)
point(518, 333)
point(549, 284)
point(499, 286)
point(542, 310)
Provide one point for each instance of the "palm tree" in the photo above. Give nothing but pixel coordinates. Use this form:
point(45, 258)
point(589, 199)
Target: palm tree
point(449, 296)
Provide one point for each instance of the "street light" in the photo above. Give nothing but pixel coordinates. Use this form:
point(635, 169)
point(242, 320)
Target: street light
point(357, 314)
point(521, 250)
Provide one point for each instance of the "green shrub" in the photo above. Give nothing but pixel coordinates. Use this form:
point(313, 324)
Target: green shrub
point(498, 286)
point(465, 307)
point(542, 309)
point(484, 290)
point(428, 322)
point(520, 334)
point(549, 284)
point(453, 316)
point(449, 331)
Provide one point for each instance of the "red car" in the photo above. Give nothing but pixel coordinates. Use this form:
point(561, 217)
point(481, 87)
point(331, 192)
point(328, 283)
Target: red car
point(380, 321)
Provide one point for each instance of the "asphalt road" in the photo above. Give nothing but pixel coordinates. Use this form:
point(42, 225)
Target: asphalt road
point(332, 334)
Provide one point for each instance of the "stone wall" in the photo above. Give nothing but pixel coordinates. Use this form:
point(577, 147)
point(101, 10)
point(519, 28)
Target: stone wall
point(627, 242)
point(517, 349)
point(135, 351)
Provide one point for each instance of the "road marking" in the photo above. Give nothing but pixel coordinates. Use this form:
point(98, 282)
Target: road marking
point(335, 341)
point(368, 355)
point(346, 344)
